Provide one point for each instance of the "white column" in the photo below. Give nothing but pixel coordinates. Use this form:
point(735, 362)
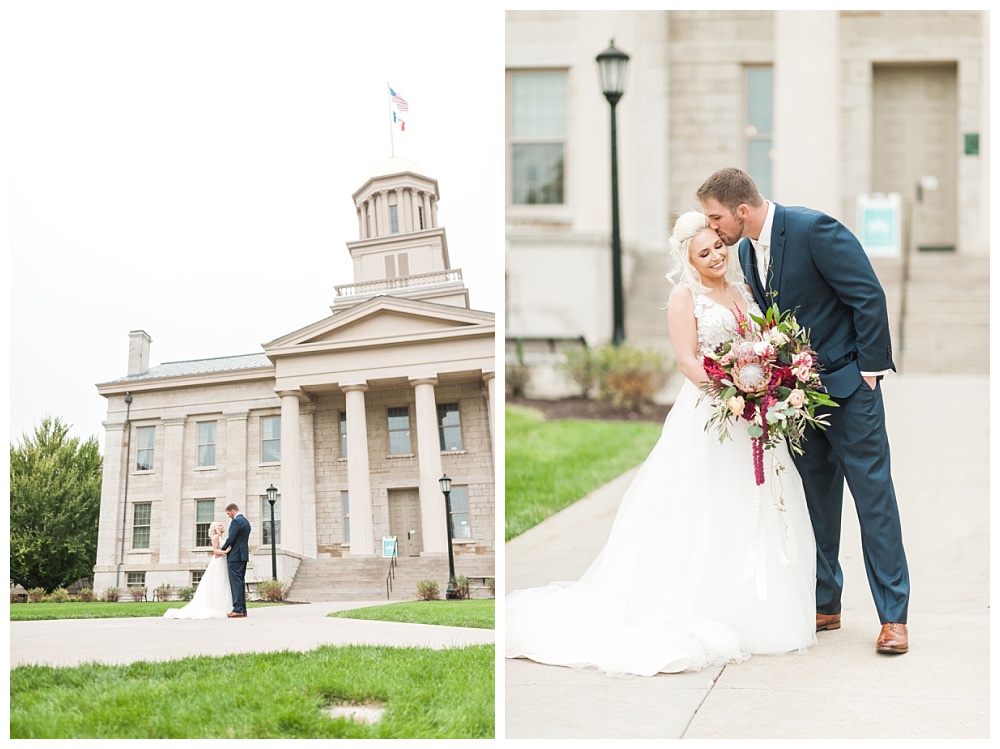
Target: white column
point(415, 208)
point(433, 514)
point(428, 222)
point(434, 211)
point(172, 489)
point(385, 229)
point(806, 138)
point(407, 210)
point(307, 485)
point(116, 463)
point(291, 504)
point(361, 221)
point(358, 480)
point(236, 459)
point(490, 378)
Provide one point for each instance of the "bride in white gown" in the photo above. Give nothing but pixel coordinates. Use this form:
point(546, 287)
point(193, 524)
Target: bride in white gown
point(699, 568)
point(214, 598)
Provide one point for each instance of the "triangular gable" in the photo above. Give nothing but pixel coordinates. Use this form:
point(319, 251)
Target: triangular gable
point(382, 318)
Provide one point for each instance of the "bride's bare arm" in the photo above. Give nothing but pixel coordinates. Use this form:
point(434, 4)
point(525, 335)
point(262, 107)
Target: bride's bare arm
point(683, 328)
point(216, 551)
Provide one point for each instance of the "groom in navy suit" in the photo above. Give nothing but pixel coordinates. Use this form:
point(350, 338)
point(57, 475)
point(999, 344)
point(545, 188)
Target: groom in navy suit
point(811, 264)
point(237, 546)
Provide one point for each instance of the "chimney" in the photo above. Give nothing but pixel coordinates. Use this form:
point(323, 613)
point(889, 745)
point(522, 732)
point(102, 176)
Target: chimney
point(138, 352)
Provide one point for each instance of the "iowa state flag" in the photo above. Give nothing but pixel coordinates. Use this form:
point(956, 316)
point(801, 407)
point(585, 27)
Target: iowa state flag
point(398, 105)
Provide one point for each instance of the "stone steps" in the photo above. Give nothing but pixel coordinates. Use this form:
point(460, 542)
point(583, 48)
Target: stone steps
point(364, 579)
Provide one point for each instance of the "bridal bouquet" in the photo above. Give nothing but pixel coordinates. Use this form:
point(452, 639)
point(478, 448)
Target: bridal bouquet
point(767, 375)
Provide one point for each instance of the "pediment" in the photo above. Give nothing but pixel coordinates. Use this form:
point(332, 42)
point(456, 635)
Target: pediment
point(381, 321)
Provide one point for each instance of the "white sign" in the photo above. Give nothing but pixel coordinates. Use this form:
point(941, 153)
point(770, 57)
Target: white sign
point(880, 224)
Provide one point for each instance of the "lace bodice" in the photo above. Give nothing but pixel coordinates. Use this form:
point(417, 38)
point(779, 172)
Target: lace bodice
point(716, 323)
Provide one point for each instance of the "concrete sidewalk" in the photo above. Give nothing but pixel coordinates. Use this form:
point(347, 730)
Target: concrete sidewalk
point(939, 434)
point(268, 629)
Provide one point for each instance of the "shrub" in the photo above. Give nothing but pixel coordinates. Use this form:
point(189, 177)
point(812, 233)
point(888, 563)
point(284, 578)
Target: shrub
point(272, 591)
point(463, 589)
point(87, 595)
point(163, 592)
point(630, 377)
point(111, 595)
point(59, 595)
point(186, 594)
point(138, 592)
point(491, 584)
point(582, 367)
point(517, 375)
point(36, 595)
point(427, 590)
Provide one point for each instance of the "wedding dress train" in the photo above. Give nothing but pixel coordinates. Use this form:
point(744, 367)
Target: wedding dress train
point(214, 597)
point(701, 567)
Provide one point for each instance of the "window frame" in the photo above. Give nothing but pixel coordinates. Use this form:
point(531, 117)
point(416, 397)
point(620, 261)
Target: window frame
point(265, 520)
point(407, 430)
point(213, 443)
point(455, 526)
point(264, 440)
point(198, 530)
point(514, 140)
point(151, 449)
point(444, 429)
point(147, 526)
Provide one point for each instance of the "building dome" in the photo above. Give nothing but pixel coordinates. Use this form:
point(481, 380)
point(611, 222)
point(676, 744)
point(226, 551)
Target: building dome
point(395, 165)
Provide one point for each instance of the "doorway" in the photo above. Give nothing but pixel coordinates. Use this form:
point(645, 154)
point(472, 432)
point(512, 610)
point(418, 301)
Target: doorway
point(404, 521)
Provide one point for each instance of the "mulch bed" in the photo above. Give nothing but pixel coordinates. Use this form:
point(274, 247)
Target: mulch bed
point(584, 408)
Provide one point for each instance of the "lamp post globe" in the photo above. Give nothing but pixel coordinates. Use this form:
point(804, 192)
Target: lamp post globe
point(445, 484)
point(612, 64)
point(272, 497)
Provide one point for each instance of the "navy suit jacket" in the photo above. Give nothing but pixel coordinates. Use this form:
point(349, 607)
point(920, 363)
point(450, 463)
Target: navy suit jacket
point(239, 540)
point(820, 272)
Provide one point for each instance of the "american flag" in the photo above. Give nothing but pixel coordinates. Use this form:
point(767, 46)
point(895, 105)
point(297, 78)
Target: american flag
point(399, 101)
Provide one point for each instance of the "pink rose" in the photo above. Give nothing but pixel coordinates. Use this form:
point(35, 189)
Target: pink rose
point(796, 398)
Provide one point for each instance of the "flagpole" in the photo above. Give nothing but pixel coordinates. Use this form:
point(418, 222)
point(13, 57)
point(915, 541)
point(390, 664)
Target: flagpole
point(392, 135)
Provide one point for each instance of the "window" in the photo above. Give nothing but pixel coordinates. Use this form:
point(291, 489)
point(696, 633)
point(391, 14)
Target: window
point(420, 215)
point(265, 520)
point(347, 517)
point(270, 439)
point(141, 514)
point(390, 266)
point(144, 448)
point(343, 434)
point(449, 426)
point(135, 579)
point(206, 443)
point(400, 261)
point(760, 126)
point(404, 263)
point(394, 219)
point(399, 431)
point(460, 512)
point(537, 136)
point(204, 515)
point(196, 576)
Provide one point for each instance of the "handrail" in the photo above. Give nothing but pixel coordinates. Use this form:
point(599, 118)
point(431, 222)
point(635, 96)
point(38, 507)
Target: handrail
point(389, 578)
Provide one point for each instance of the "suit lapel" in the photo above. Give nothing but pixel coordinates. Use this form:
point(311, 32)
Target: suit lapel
point(748, 261)
point(777, 252)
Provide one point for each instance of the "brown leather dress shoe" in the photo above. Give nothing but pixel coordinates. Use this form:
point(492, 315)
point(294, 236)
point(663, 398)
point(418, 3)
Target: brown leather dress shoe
point(893, 639)
point(235, 615)
point(827, 621)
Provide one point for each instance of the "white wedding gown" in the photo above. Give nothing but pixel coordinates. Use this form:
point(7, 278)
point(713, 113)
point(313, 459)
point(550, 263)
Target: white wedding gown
point(700, 567)
point(214, 597)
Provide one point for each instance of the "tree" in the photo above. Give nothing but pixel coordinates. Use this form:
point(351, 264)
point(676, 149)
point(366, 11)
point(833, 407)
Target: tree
point(55, 501)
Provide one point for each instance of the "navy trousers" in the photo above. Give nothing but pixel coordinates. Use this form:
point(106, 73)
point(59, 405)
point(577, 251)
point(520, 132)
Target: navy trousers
point(855, 448)
point(237, 581)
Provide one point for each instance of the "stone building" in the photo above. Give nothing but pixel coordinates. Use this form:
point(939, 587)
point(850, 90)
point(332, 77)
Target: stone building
point(353, 419)
point(832, 109)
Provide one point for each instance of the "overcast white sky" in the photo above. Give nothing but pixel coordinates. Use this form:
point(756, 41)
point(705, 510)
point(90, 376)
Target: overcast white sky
point(186, 168)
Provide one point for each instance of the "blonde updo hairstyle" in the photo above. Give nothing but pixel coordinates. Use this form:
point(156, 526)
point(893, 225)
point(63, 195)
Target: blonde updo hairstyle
point(686, 228)
point(216, 529)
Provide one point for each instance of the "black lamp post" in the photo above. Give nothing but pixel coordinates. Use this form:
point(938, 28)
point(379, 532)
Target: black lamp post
point(612, 63)
point(272, 497)
point(446, 490)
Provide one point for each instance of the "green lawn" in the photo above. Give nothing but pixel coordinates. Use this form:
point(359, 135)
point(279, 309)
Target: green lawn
point(27, 612)
point(477, 613)
point(551, 464)
point(427, 694)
